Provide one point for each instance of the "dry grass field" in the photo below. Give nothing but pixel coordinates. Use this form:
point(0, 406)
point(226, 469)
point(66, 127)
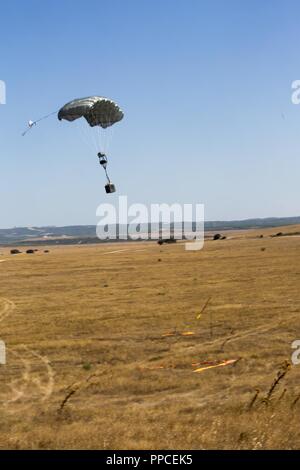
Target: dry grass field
point(103, 343)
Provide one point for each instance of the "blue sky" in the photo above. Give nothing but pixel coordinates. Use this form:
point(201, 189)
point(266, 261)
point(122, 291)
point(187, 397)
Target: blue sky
point(206, 91)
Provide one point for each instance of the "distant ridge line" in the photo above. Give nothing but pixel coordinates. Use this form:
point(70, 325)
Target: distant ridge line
point(73, 233)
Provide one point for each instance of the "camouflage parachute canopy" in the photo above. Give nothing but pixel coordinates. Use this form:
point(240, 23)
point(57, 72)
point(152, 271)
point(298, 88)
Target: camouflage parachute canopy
point(97, 110)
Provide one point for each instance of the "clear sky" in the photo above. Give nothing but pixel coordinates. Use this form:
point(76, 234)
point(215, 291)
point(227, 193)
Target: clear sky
point(206, 90)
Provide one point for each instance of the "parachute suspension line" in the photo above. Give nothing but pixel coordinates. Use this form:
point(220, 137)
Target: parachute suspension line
point(92, 135)
point(110, 131)
point(103, 136)
point(105, 133)
point(85, 135)
point(95, 134)
point(34, 123)
point(94, 138)
point(110, 136)
point(102, 139)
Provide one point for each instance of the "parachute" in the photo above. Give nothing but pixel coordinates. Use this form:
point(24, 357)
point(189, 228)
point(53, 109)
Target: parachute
point(97, 110)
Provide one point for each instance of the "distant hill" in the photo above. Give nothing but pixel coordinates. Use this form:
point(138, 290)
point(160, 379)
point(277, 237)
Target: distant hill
point(252, 223)
point(87, 233)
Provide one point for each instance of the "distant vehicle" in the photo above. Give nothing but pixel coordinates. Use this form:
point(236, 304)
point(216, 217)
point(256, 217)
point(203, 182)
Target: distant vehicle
point(30, 251)
point(15, 251)
point(217, 236)
point(166, 240)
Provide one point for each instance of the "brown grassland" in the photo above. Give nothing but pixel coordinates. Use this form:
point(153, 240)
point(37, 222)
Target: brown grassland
point(103, 342)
